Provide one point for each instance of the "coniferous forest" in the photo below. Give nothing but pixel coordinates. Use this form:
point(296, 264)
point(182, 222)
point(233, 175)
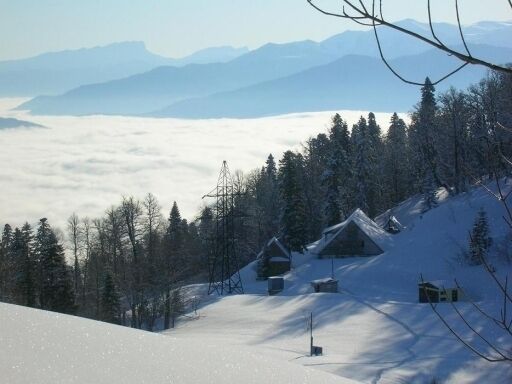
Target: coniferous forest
point(127, 267)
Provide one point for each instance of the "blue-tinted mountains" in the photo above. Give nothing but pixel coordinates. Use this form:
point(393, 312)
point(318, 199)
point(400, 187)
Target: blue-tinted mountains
point(352, 82)
point(341, 72)
point(149, 91)
point(9, 122)
point(57, 72)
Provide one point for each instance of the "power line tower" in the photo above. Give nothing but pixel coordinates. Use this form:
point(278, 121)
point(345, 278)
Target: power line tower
point(224, 263)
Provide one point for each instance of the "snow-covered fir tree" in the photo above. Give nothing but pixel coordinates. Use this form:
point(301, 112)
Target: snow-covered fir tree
point(362, 164)
point(423, 144)
point(396, 161)
point(337, 175)
point(56, 284)
point(293, 214)
point(479, 239)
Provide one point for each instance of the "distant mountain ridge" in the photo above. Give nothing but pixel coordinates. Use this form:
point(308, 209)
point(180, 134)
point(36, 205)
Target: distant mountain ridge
point(57, 72)
point(176, 91)
point(352, 82)
point(9, 122)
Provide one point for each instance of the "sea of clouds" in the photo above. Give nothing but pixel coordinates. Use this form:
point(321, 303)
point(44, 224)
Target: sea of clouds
point(86, 164)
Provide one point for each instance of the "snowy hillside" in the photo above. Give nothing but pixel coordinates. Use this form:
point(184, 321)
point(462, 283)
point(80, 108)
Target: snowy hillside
point(44, 347)
point(374, 330)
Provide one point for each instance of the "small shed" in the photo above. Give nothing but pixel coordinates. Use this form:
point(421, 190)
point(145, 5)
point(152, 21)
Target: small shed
point(357, 236)
point(438, 291)
point(328, 284)
point(274, 259)
point(393, 226)
point(275, 284)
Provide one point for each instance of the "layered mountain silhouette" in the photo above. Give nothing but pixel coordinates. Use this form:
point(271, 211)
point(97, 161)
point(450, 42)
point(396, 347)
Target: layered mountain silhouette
point(352, 82)
point(57, 72)
point(342, 72)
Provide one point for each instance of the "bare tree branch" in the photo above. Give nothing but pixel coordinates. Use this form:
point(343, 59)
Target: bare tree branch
point(363, 17)
point(459, 337)
point(460, 28)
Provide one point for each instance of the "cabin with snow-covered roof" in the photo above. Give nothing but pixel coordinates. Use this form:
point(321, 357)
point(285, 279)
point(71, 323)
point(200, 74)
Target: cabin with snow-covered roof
point(357, 236)
point(438, 291)
point(393, 226)
point(274, 259)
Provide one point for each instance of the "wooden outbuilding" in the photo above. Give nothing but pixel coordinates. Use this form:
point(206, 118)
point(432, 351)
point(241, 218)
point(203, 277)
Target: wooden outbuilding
point(275, 285)
point(274, 259)
point(328, 285)
point(438, 291)
point(393, 226)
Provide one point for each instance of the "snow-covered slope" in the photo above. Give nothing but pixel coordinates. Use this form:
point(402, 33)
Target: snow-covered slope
point(44, 347)
point(374, 330)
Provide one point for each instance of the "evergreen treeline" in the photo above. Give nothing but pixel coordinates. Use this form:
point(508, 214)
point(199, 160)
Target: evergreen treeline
point(131, 262)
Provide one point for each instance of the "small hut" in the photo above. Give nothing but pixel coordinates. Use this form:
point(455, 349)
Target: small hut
point(393, 226)
point(275, 285)
point(357, 236)
point(274, 259)
point(438, 291)
point(328, 284)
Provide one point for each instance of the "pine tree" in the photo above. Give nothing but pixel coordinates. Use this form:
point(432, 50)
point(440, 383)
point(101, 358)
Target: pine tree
point(6, 263)
point(271, 197)
point(479, 239)
point(24, 267)
point(110, 300)
point(293, 215)
point(375, 183)
point(396, 161)
point(173, 256)
point(314, 163)
point(424, 137)
point(362, 164)
point(337, 175)
point(56, 284)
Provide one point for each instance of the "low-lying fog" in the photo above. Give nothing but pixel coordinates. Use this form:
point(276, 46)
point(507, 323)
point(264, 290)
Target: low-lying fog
point(86, 164)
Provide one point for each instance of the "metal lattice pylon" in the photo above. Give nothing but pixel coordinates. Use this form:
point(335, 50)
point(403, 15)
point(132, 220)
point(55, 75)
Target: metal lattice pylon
point(224, 264)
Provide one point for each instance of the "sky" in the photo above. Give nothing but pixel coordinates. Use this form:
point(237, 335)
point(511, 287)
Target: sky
point(176, 28)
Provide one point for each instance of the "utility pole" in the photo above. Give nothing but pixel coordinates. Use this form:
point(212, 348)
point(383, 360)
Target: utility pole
point(224, 261)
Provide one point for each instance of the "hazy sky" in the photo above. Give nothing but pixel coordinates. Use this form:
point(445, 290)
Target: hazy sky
point(176, 28)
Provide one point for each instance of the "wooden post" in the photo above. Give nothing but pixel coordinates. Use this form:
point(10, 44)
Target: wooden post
point(311, 334)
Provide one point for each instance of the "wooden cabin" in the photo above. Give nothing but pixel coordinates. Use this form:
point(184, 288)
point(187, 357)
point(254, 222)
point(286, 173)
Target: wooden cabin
point(437, 292)
point(274, 259)
point(356, 236)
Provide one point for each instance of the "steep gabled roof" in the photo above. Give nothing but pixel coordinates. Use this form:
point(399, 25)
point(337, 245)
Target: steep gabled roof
point(365, 224)
point(280, 245)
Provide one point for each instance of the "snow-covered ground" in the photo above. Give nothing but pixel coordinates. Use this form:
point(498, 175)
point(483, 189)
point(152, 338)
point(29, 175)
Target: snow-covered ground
point(374, 330)
point(48, 348)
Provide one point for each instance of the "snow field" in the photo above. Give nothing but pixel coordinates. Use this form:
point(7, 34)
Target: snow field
point(374, 330)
